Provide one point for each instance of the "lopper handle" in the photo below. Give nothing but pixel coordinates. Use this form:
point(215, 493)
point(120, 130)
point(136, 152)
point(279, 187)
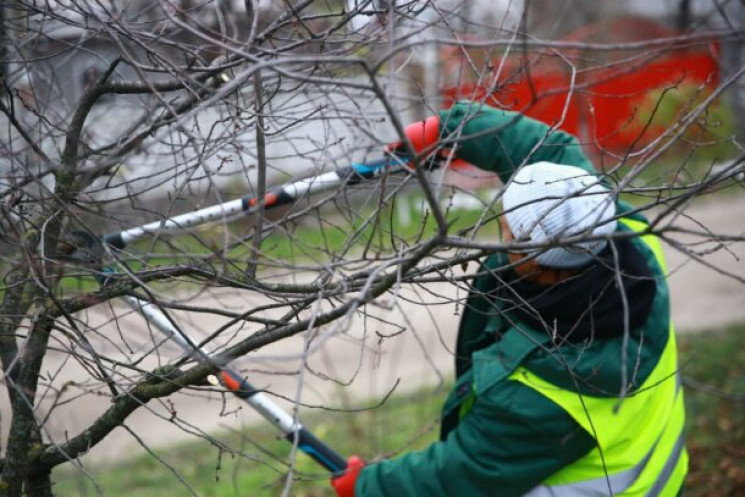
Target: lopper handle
point(306, 441)
point(318, 450)
point(254, 397)
point(280, 195)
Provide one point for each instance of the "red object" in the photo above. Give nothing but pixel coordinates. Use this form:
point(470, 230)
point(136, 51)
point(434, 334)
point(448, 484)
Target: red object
point(422, 135)
point(230, 382)
point(269, 199)
point(619, 106)
point(612, 106)
point(344, 484)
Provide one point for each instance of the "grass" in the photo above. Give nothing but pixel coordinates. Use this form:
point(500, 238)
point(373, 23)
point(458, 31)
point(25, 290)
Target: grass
point(714, 367)
point(715, 439)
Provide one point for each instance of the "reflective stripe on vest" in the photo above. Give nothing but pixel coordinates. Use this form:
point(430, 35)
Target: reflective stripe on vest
point(640, 437)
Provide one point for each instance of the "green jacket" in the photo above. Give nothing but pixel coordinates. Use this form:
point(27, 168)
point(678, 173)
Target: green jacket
point(498, 436)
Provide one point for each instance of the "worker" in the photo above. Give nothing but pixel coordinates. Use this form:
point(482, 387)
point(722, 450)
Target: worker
point(566, 360)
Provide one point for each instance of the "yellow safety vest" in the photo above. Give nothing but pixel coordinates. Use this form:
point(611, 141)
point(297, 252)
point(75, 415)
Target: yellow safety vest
point(640, 449)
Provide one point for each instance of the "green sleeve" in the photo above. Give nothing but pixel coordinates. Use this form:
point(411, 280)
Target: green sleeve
point(501, 141)
point(512, 439)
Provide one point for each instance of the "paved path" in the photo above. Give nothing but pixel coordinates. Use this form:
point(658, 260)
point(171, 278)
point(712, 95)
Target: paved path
point(702, 299)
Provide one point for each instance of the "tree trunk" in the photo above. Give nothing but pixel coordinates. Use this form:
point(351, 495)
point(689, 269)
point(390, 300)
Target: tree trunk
point(733, 57)
point(683, 20)
point(4, 44)
point(39, 484)
point(23, 364)
point(25, 438)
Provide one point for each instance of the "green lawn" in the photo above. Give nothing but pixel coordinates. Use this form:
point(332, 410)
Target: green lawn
point(714, 373)
point(716, 439)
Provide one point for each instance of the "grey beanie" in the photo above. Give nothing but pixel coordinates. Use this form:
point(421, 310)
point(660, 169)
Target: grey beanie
point(545, 201)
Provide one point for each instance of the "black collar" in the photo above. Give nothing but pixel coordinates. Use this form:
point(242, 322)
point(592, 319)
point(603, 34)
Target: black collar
point(589, 305)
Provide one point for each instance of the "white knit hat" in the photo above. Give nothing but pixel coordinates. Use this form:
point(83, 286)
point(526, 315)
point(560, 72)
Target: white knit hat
point(546, 201)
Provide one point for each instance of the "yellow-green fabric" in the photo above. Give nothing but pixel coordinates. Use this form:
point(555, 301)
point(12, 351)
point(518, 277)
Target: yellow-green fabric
point(641, 430)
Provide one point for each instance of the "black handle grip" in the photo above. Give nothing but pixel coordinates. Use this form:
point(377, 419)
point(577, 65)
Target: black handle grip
point(319, 451)
point(307, 442)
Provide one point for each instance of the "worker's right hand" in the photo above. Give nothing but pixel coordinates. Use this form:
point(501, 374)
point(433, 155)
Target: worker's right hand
point(344, 484)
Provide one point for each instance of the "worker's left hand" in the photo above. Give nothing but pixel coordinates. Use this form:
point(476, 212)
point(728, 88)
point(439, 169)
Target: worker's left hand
point(344, 484)
point(422, 135)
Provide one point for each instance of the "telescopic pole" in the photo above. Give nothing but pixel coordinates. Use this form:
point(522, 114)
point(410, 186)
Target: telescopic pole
point(281, 195)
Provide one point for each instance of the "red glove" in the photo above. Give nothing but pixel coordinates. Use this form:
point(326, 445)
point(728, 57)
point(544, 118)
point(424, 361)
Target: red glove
point(344, 484)
point(421, 134)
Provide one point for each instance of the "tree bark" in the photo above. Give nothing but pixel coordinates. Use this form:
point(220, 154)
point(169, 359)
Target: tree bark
point(733, 58)
point(684, 15)
point(39, 484)
point(25, 432)
point(22, 366)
